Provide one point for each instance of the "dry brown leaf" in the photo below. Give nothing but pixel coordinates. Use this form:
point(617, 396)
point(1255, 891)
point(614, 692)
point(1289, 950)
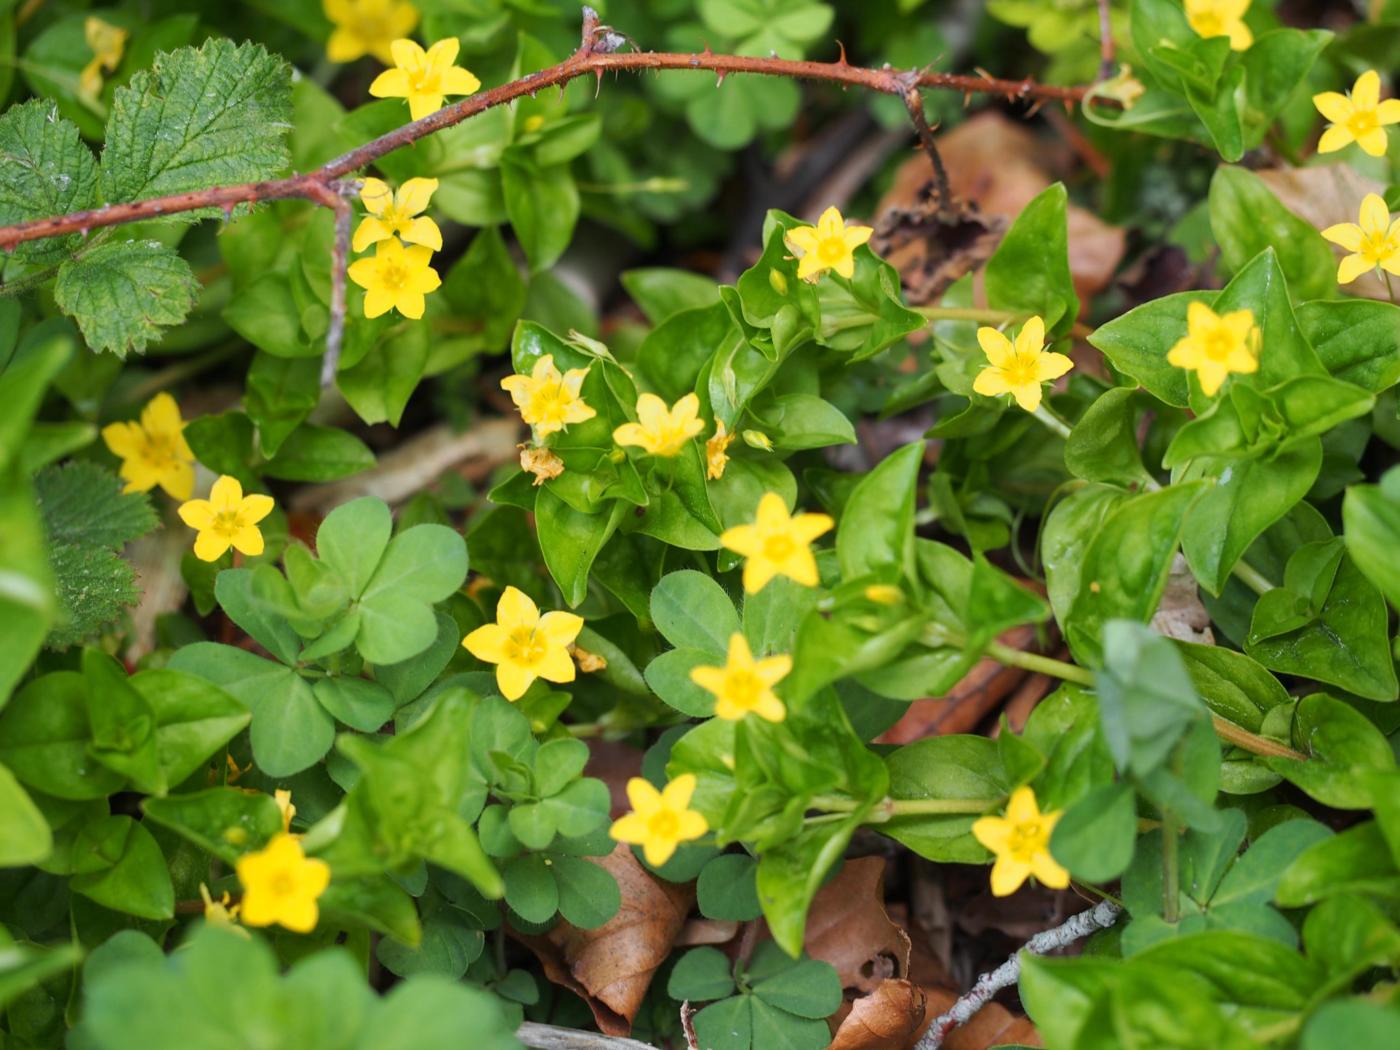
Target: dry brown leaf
point(1181, 614)
point(993, 1025)
point(614, 763)
point(998, 165)
point(1324, 196)
point(886, 1018)
point(611, 967)
point(847, 927)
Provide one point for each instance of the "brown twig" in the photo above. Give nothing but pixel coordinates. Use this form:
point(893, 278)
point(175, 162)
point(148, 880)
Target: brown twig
point(914, 103)
point(1108, 61)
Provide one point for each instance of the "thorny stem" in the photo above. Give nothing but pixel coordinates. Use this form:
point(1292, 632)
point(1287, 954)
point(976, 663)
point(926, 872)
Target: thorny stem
point(1099, 917)
point(1068, 672)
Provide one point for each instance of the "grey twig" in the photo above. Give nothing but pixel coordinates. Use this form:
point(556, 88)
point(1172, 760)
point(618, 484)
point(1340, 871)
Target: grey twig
point(914, 103)
point(552, 1037)
point(1099, 917)
point(1107, 60)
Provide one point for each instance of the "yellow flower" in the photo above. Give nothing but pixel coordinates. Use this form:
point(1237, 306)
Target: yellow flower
point(367, 27)
point(425, 78)
point(219, 912)
point(884, 594)
point(660, 430)
point(226, 519)
point(660, 820)
point(154, 452)
point(547, 398)
point(540, 462)
point(107, 43)
point(525, 645)
point(399, 213)
point(1221, 18)
point(716, 454)
point(281, 885)
point(744, 684)
point(395, 278)
point(283, 798)
point(1214, 346)
point(1359, 116)
point(777, 544)
point(1018, 369)
point(1021, 842)
point(1376, 242)
point(829, 245)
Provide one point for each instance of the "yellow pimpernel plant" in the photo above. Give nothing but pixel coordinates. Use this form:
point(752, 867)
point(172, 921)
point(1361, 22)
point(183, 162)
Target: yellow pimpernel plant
point(1358, 116)
point(226, 519)
point(1216, 345)
point(1373, 241)
point(1018, 368)
point(525, 645)
point(549, 400)
point(777, 544)
point(367, 27)
point(108, 42)
point(395, 278)
point(1211, 18)
point(659, 430)
point(744, 685)
point(424, 78)
point(1021, 842)
point(281, 885)
point(717, 451)
point(397, 214)
point(660, 820)
point(829, 245)
point(153, 450)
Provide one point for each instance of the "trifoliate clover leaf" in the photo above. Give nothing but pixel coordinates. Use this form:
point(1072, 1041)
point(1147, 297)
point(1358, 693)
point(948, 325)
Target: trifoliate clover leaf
point(199, 117)
point(45, 170)
point(88, 519)
point(121, 293)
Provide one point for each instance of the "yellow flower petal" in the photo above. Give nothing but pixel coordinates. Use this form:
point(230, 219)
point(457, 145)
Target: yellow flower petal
point(516, 609)
point(513, 680)
point(487, 643)
point(1346, 234)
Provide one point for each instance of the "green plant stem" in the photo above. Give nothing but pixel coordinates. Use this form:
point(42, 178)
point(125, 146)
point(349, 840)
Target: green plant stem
point(968, 313)
point(1171, 869)
point(1068, 672)
point(890, 808)
point(1053, 422)
point(1251, 577)
point(1389, 287)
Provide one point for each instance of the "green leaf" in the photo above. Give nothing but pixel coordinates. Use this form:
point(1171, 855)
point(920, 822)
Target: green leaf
point(876, 533)
point(804, 987)
point(265, 312)
point(1347, 1023)
point(692, 611)
point(25, 967)
point(662, 292)
point(352, 539)
point(1356, 861)
point(701, 975)
point(122, 723)
point(236, 591)
point(316, 453)
point(726, 888)
point(543, 205)
point(570, 540)
point(1342, 746)
point(44, 738)
point(947, 767)
point(45, 170)
point(199, 117)
point(361, 705)
point(1358, 340)
point(1029, 271)
point(1371, 518)
point(123, 292)
point(1094, 838)
point(1246, 218)
point(530, 888)
point(421, 565)
point(1103, 445)
point(1137, 343)
point(1232, 684)
point(120, 866)
point(1146, 699)
point(379, 384)
point(24, 833)
point(588, 894)
point(226, 821)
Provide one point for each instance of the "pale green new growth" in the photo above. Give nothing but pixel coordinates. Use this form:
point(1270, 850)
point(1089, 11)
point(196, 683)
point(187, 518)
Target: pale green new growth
point(45, 169)
point(120, 293)
point(199, 118)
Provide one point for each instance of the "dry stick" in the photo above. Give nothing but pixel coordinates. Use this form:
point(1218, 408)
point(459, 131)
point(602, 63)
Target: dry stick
point(1107, 60)
point(552, 1037)
point(1099, 917)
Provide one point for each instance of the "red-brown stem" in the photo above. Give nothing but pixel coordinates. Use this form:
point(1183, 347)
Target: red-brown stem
point(588, 58)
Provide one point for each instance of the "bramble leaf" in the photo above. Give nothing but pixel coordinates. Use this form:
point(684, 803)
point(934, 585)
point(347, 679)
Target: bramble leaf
point(45, 169)
point(121, 293)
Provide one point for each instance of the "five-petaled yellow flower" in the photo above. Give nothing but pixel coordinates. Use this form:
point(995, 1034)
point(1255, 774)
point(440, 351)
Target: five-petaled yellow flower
point(716, 451)
point(660, 820)
point(744, 684)
point(525, 645)
point(154, 452)
point(367, 27)
point(395, 278)
point(1021, 842)
point(1221, 18)
point(660, 430)
point(107, 43)
point(777, 544)
point(425, 78)
point(1018, 369)
point(547, 398)
point(226, 519)
point(829, 245)
point(1216, 345)
point(1359, 116)
point(281, 884)
point(1376, 242)
point(398, 214)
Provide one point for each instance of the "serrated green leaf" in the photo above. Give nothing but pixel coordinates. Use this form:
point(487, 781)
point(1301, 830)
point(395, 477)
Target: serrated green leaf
point(45, 169)
point(123, 292)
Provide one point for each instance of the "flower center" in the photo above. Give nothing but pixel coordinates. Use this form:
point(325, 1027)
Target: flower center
point(158, 452)
point(830, 249)
point(664, 824)
point(424, 81)
point(524, 647)
point(1379, 245)
point(778, 548)
point(1208, 24)
point(1022, 370)
point(1218, 345)
point(551, 401)
point(742, 688)
point(228, 522)
point(282, 884)
point(1362, 121)
point(394, 276)
point(1026, 839)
